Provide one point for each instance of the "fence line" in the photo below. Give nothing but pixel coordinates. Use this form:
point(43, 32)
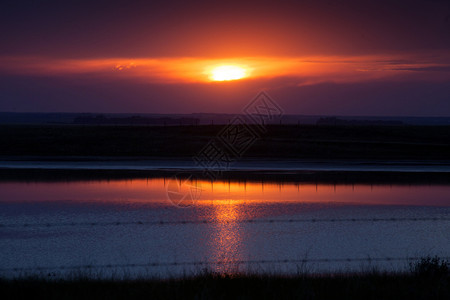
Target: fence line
point(218, 263)
point(207, 221)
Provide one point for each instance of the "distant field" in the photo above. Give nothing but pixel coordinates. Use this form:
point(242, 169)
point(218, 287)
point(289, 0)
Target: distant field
point(279, 142)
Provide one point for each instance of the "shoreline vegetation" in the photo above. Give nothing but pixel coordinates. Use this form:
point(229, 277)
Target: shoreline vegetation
point(427, 278)
point(311, 177)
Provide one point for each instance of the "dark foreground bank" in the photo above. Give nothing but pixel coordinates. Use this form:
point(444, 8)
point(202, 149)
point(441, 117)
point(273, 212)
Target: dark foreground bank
point(428, 278)
point(210, 286)
point(431, 143)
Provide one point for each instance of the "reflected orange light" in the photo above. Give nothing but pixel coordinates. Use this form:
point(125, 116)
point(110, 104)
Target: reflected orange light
point(154, 192)
point(226, 240)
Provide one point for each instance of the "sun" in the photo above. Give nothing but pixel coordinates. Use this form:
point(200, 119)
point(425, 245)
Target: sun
point(223, 73)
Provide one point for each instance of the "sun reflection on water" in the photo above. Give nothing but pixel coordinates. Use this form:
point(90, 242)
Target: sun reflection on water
point(226, 239)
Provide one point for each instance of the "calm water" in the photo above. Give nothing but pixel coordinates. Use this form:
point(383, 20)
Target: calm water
point(49, 225)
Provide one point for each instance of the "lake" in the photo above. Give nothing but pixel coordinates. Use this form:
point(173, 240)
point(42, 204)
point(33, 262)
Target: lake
point(165, 227)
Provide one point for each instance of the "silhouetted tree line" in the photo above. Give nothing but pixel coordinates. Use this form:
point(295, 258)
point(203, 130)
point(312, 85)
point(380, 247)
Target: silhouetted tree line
point(333, 121)
point(134, 120)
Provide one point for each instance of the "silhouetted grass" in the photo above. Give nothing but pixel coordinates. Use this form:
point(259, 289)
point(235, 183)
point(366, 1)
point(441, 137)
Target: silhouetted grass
point(429, 279)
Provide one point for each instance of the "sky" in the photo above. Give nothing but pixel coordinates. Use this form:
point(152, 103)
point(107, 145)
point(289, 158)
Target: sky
point(382, 58)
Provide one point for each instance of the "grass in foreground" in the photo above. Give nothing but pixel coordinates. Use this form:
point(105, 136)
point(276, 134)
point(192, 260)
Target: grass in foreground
point(428, 279)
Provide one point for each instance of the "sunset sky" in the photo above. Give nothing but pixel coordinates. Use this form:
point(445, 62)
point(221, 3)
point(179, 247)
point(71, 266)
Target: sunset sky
point(386, 58)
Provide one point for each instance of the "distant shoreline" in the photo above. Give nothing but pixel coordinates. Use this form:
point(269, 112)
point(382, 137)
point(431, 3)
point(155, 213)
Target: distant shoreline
point(315, 177)
point(332, 154)
point(158, 119)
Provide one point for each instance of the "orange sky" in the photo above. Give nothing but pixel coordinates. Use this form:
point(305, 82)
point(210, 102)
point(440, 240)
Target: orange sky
point(315, 69)
point(322, 57)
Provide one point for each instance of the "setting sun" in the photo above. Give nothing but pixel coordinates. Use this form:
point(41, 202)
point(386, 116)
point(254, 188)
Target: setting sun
point(223, 73)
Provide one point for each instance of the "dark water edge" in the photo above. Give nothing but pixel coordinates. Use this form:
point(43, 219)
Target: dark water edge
point(329, 177)
point(371, 285)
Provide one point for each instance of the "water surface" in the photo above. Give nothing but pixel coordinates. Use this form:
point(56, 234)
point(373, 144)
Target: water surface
point(227, 226)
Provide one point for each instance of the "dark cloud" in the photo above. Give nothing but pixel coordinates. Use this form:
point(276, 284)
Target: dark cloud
point(427, 69)
point(210, 28)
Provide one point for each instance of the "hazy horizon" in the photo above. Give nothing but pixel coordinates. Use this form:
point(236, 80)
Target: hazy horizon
point(131, 113)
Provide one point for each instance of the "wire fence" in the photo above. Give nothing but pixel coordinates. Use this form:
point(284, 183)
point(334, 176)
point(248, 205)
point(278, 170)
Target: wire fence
point(219, 263)
point(233, 263)
point(213, 221)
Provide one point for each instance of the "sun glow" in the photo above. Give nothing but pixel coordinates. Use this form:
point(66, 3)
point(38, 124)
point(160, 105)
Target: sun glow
point(223, 73)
